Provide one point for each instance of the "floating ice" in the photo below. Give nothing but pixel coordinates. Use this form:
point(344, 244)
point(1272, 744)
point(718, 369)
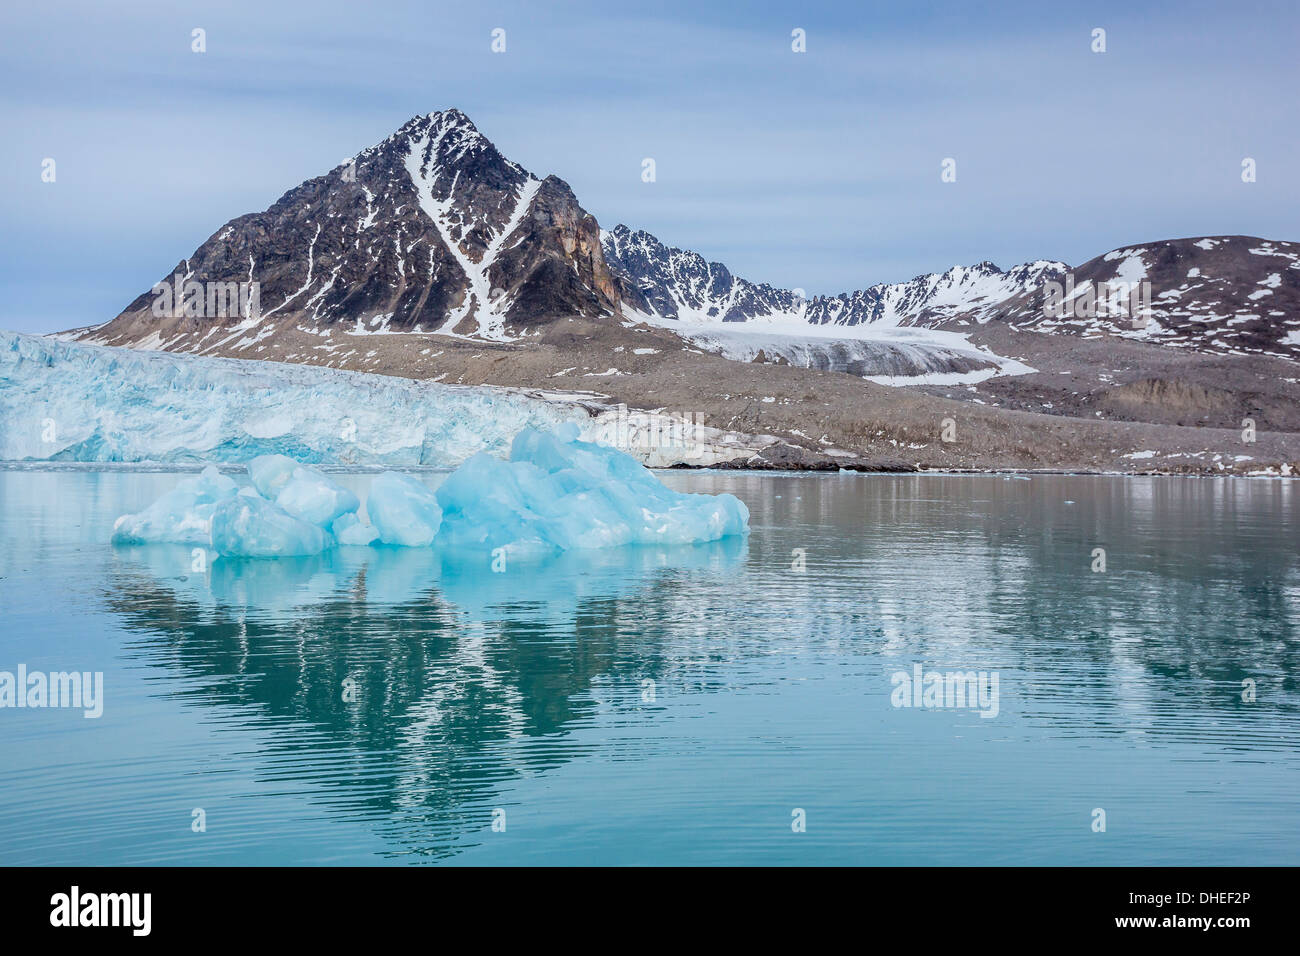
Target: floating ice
point(424, 581)
point(249, 526)
point(270, 473)
point(311, 496)
point(348, 530)
point(557, 492)
point(182, 516)
point(403, 510)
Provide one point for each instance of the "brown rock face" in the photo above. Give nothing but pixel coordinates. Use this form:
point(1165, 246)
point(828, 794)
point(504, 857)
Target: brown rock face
point(430, 230)
point(560, 268)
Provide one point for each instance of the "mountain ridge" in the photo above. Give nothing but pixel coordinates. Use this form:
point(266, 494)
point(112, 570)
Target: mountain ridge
point(432, 231)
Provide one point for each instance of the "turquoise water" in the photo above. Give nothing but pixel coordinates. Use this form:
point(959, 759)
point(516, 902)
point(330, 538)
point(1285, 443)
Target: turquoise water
point(673, 706)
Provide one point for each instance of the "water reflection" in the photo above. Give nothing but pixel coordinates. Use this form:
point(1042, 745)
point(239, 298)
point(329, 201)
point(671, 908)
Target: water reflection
point(448, 659)
point(1201, 590)
point(475, 689)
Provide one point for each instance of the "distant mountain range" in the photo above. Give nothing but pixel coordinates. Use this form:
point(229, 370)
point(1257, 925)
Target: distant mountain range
point(434, 231)
point(667, 283)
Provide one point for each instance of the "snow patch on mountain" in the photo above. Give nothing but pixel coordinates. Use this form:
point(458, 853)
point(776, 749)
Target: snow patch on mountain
point(488, 306)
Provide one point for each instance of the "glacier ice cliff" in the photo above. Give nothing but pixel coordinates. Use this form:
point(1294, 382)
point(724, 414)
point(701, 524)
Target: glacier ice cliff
point(63, 401)
point(67, 401)
point(555, 493)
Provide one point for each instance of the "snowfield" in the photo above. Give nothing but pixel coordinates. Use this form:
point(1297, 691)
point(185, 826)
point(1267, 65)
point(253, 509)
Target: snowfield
point(888, 355)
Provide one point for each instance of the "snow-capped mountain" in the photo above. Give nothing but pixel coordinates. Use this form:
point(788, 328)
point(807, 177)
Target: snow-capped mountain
point(660, 282)
point(432, 230)
point(665, 283)
point(1221, 294)
point(1216, 294)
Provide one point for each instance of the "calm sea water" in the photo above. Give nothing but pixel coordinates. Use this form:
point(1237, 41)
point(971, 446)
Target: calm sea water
point(673, 706)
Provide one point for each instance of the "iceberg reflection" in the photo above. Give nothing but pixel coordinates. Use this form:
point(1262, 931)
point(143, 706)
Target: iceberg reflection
point(445, 659)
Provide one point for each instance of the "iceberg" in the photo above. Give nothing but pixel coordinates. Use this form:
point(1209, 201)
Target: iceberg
point(423, 582)
point(559, 493)
point(403, 511)
point(348, 530)
point(182, 516)
point(249, 526)
point(270, 473)
point(314, 498)
point(555, 493)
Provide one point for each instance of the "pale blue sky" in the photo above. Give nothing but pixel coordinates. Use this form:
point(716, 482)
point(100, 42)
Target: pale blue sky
point(817, 170)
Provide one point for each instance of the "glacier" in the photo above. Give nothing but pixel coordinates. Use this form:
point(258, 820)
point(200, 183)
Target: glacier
point(64, 401)
point(885, 354)
point(555, 493)
point(71, 402)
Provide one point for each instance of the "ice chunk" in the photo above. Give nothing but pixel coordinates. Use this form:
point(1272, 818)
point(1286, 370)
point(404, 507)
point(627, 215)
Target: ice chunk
point(559, 493)
point(313, 497)
point(556, 493)
point(403, 511)
point(303, 492)
point(181, 516)
point(249, 526)
point(270, 473)
point(349, 530)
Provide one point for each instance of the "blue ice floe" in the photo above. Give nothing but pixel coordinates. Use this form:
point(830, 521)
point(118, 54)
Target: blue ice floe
point(249, 526)
point(558, 493)
point(182, 516)
point(554, 493)
point(404, 511)
point(316, 499)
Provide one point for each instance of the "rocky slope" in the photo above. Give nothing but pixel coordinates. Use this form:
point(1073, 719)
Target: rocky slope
point(432, 230)
point(1218, 294)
